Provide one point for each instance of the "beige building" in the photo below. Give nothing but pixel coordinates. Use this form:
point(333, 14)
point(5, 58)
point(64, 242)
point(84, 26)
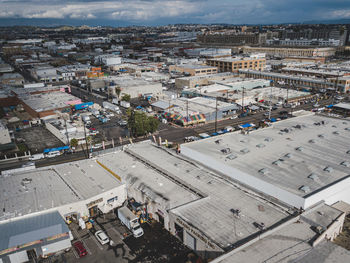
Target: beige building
point(193, 69)
point(193, 81)
point(290, 52)
point(235, 64)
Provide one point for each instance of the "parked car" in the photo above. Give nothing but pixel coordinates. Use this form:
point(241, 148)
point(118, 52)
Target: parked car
point(80, 249)
point(102, 237)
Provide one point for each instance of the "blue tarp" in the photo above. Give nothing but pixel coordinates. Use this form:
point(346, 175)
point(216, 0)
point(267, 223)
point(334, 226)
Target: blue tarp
point(247, 125)
point(83, 105)
point(56, 149)
point(272, 119)
point(329, 106)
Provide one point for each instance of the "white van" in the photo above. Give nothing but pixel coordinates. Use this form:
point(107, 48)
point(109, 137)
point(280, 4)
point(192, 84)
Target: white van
point(37, 156)
point(53, 154)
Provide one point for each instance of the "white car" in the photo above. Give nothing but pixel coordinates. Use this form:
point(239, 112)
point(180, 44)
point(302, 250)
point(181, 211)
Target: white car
point(102, 237)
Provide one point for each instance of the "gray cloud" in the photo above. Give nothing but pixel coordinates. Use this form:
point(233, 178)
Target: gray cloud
point(201, 11)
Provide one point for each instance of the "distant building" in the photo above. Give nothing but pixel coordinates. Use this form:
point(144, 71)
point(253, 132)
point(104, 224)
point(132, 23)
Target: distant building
point(288, 52)
point(193, 69)
point(233, 39)
point(235, 64)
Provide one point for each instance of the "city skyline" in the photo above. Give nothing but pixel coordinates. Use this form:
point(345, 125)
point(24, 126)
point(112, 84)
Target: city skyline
point(155, 12)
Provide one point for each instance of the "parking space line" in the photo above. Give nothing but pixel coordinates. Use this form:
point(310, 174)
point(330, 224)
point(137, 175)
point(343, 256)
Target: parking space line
point(86, 247)
point(75, 253)
point(96, 241)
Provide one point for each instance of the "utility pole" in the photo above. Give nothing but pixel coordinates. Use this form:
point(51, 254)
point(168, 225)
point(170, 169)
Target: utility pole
point(216, 114)
point(270, 103)
point(187, 109)
point(242, 99)
point(87, 148)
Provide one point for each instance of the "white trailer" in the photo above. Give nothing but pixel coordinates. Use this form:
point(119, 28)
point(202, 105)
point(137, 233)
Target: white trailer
point(130, 220)
point(111, 107)
point(125, 104)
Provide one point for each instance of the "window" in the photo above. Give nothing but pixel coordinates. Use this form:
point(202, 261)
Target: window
point(112, 199)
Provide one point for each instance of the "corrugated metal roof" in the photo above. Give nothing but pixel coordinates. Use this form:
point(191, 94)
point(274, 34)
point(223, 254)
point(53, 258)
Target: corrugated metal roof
point(32, 228)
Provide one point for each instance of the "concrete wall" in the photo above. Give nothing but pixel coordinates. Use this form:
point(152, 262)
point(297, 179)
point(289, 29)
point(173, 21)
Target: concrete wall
point(56, 132)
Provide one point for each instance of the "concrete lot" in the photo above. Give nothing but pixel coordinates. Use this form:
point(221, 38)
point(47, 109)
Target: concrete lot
point(38, 138)
point(157, 245)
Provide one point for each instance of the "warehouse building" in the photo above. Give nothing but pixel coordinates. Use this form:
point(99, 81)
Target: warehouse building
point(193, 81)
point(288, 52)
point(300, 161)
point(25, 239)
point(71, 190)
point(341, 84)
point(193, 69)
point(235, 64)
point(191, 202)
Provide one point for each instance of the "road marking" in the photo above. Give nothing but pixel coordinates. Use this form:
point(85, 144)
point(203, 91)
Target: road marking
point(86, 247)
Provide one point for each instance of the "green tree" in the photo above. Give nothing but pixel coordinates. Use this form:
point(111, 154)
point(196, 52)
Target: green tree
point(126, 97)
point(140, 124)
point(74, 142)
point(117, 91)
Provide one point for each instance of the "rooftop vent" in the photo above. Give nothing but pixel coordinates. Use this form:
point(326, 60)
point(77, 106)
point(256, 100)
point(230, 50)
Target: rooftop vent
point(313, 176)
point(245, 150)
point(328, 169)
point(305, 189)
point(344, 122)
point(278, 162)
point(268, 139)
point(235, 212)
point(263, 171)
point(336, 132)
point(347, 129)
point(345, 163)
point(231, 156)
point(244, 140)
point(260, 226)
point(260, 145)
point(218, 141)
point(320, 136)
point(226, 150)
point(288, 155)
point(334, 126)
point(300, 149)
point(27, 180)
point(348, 152)
point(311, 141)
point(298, 126)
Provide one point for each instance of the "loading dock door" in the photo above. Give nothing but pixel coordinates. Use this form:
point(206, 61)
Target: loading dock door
point(190, 241)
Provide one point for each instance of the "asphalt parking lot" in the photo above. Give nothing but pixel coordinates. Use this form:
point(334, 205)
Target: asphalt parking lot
point(38, 138)
point(156, 245)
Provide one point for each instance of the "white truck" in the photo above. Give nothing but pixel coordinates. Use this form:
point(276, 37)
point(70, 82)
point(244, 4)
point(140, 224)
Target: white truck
point(111, 107)
point(130, 220)
point(125, 104)
point(86, 119)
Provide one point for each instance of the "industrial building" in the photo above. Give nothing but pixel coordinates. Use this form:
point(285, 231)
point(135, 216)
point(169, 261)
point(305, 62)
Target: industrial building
point(235, 64)
point(191, 82)
point(288, 52)
point(300, 161)
point(135, 87)
point(191, 202)
point(45, 104)
point(193, 69)
point(48, 195)
point(195, 110)
point(339, 84)
point(254, 91)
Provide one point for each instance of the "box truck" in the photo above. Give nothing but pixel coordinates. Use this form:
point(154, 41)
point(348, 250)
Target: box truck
point(125, 104)
point(130, 220)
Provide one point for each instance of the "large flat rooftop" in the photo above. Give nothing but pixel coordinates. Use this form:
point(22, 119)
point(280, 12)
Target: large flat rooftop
point(211, 210)
point(48, 101)
point(44, 188)
point(301, 155)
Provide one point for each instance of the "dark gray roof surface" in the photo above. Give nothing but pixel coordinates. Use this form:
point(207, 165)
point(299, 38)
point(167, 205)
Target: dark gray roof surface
point(32, 228)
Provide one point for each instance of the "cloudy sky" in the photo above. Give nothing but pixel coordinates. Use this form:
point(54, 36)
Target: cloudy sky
point(151, 12)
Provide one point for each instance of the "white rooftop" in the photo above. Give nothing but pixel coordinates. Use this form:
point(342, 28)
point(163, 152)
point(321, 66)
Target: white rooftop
point(48, 101)
point(298, 156)
point(210, 211)
point(44, 188)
